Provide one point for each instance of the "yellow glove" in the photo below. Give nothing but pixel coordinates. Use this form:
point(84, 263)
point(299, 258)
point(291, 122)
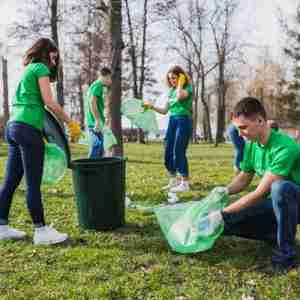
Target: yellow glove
point(147, 104)
point(74, 130)
point(181, 80)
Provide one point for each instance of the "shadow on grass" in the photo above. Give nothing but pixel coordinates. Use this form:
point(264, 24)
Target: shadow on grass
point(146, 238)
point(204, 188)
point(144, 162)
point(213, 155)
point(47, 193)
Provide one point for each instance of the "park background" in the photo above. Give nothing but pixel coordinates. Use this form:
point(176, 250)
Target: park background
point(230, 49)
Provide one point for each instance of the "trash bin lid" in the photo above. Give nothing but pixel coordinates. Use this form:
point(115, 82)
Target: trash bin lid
point(54, 133)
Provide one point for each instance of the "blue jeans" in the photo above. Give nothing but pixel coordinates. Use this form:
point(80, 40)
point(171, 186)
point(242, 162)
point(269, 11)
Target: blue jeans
point(176, 142)
point(25, 155)
point(96, 144)
point(238, 143)
point(273, 219)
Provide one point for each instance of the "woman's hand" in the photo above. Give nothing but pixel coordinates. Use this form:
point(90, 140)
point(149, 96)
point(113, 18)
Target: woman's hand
point(74, 130)
point(148, 104)
point(181, 80)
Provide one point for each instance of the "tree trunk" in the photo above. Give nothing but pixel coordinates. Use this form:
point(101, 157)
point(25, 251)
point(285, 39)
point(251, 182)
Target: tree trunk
point(54, 34)
point(114, 103)
point(204, 126)
point(81, 102)
point(132, 52)
point(195, 120)
point(195, 112)
point(208, 135)
point(208, 123)
point(5, 90)
point(141, 135)
point(221, 105)
point(143, 52)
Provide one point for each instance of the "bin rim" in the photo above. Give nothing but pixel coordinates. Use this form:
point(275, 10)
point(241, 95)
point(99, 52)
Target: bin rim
point(84, 162)
point(62, 141)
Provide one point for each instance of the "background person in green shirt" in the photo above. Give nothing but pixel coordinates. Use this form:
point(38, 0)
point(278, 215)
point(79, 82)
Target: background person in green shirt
point(94, 111)
point(238, 144)
point(180, 103)
point(25, 140)
point(272, 211)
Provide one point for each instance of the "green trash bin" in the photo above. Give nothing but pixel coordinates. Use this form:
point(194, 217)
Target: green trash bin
point(99, 186)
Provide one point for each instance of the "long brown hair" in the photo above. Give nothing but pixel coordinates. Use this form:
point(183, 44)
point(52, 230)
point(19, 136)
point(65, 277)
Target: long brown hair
point(177, 70)
point(40, 53)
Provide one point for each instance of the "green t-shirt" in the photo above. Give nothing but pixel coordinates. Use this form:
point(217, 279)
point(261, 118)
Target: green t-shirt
point(280, 156)
point(28, 104)
point(96, 89)
point(181, 107)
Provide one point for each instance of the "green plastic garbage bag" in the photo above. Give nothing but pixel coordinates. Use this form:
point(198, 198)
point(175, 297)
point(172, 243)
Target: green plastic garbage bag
point(180, 223)
point(131, 107)
point(109, 138)
point(141, 117)
point(147, 121)
point(55, 164)
point(145, 208)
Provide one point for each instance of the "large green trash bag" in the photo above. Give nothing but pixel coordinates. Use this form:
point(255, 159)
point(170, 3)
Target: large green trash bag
point(140, 116)
point(109, 138)
point(55, 164)
point(130, 107)
point(147, 121)
point(180, 223)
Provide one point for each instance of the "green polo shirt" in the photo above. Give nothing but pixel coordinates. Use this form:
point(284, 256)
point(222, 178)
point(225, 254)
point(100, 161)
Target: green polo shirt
point(96, 89)
point(280, 156)
point(28, 104)
point(181, 107)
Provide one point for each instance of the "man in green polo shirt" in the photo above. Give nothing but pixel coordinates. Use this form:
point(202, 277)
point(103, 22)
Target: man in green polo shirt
point(94, 112)
point(272, 211)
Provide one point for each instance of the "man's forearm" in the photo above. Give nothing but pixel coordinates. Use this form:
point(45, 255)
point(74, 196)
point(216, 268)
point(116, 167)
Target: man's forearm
point(243, 202)
point(239, 183)
point(94, 110)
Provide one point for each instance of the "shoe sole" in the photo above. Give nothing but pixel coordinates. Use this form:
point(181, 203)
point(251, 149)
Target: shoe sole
point(52, 242)
point(13, 238)
point(172, 191)
point(165, 188)
point(174, 202)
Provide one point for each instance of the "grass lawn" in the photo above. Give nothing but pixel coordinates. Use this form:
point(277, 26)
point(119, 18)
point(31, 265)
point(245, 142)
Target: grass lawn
point(135, 262)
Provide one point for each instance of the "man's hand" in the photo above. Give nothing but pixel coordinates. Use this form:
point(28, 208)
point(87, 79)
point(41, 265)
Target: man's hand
point(221, 190)
point(98, 127)
point(209, 224)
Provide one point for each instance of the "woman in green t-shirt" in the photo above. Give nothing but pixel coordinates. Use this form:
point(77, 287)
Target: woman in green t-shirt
point(180, 101)
point(25, 140)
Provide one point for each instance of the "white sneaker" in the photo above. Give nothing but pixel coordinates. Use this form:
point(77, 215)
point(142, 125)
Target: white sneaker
point(172, 198)
point(182, 187)
point(47, 235)
point(9, 233)
point(172, 183)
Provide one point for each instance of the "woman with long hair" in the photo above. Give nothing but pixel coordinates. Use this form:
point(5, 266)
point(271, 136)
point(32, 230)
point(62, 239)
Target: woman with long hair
point(179, 105)
point(25, 140)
